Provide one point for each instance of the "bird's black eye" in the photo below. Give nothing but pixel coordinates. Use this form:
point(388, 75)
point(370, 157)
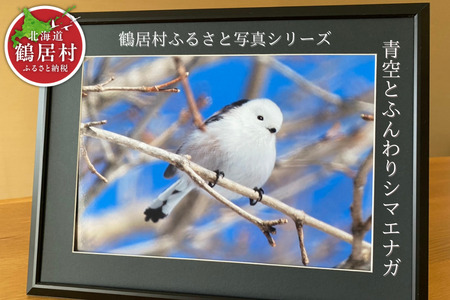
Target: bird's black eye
point(261, 118)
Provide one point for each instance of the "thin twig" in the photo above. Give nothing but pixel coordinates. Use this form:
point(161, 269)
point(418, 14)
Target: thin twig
point(94, 123)
point(145, 89)
point(84, 154)
point(198, 119)
point(301, 239)
point(359, 228)
point(91, 167)
point(109, 80)
point(367, 117)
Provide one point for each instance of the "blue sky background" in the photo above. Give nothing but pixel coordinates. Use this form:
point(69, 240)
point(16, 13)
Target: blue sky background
point(224, 81)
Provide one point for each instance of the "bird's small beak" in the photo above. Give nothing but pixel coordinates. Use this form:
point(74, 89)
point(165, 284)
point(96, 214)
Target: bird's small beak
point(272, 130)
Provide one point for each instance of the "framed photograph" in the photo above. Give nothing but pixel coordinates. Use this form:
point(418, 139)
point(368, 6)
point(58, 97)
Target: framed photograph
point(262, 153)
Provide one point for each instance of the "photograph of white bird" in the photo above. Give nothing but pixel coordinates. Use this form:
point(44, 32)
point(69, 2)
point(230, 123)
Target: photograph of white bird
point(239, 142)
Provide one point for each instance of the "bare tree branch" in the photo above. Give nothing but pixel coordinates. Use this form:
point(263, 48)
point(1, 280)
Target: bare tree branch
point(301, 239)
point(146, 89)
point(184, 164)
point(367, 117)
point(359, 227)
point(360, 257)
point(94, 123)
point(208, 175)
point(91, 167)
point(198, 119)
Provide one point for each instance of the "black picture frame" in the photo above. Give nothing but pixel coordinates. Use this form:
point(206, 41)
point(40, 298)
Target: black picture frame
point(55, 270)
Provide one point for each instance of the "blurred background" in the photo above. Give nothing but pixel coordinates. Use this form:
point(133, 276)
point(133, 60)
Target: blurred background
point(320, 148)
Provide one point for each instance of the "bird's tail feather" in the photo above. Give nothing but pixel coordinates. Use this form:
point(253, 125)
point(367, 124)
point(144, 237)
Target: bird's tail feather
point(167, 200)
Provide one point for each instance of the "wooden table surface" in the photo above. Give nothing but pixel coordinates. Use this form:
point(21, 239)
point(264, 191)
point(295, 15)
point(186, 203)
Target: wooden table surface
point(15, 229)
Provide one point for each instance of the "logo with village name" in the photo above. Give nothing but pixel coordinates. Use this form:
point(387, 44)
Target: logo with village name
point(45, 45)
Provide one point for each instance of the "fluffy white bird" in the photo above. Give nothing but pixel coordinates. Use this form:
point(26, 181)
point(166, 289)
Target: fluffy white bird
point(239, 143)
